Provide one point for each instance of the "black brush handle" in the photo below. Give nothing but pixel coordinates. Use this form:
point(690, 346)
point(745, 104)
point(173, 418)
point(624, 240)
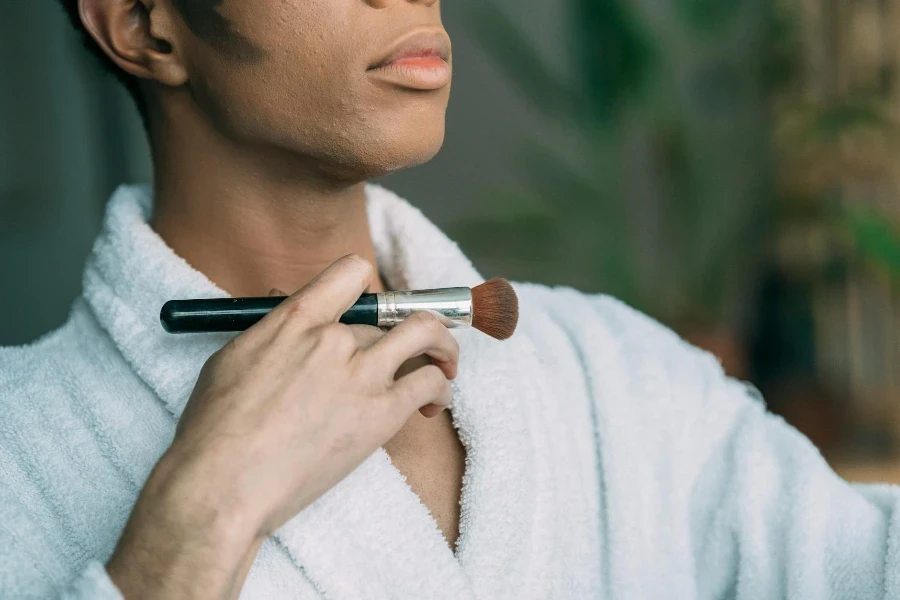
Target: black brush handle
point(239, 314)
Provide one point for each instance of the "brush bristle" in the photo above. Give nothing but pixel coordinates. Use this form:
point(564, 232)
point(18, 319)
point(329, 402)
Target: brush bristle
point(495, 309)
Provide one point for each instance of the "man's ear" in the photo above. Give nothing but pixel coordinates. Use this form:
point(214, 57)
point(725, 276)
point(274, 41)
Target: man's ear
point(139, 36)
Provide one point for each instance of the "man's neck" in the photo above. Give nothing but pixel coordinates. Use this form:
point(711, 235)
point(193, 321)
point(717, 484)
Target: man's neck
point(249, 222)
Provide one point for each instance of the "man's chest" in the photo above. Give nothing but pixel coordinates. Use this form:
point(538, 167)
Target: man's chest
point(430, 456)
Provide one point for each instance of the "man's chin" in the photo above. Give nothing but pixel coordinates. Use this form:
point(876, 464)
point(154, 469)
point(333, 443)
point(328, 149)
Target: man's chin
point(367, 157)
point(386, 159)
point(414, 161)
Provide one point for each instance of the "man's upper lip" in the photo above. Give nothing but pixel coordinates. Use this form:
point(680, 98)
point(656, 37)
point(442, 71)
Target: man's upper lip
point(417, 44)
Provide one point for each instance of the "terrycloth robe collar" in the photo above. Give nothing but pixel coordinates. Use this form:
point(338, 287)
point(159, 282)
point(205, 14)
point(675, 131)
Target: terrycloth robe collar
point(370, 536)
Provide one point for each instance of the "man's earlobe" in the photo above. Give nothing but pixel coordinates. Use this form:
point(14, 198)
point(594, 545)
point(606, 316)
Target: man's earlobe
point(138, 35)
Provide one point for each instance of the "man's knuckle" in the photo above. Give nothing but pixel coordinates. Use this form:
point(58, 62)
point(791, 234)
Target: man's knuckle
point(328, 335)
point(435, 326)
point(427, 322)
point(336, 338)
point(357, 260)
point(433, 380)
point(361, 264)
point(213, 362)
point(296, 311)
point(375, 371)
point(429, 318)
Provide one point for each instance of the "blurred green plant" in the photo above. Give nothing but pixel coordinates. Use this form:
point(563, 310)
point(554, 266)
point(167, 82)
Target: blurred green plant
point(824, 145)
point(663, 199)
point(875, 239)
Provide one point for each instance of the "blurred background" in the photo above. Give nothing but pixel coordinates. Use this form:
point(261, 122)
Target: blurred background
point(730, 167)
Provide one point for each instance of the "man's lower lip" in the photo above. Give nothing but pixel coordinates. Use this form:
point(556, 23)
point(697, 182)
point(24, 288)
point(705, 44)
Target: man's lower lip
point(421, 73)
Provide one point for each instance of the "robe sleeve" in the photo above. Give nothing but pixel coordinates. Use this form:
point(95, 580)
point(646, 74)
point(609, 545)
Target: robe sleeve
point(787, 526)
point(761, 513)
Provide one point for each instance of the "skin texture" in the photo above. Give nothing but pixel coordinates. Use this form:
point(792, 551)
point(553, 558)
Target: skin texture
point(265, 121)
point(291, 76)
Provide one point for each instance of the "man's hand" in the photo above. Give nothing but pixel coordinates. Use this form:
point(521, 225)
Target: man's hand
point(278, 416)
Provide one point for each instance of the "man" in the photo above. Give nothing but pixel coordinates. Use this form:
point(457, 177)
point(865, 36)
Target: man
point(594, 455)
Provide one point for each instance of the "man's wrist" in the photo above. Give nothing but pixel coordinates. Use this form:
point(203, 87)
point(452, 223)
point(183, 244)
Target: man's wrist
point(183, 538)
point(190, 492)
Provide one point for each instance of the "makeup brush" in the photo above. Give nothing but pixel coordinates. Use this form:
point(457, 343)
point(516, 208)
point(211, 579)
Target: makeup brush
point(492, 308)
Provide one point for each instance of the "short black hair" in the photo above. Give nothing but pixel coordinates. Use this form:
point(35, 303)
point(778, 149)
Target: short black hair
point(129, 81)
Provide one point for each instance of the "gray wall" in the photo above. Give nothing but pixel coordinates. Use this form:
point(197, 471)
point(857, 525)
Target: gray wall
point(68, 136)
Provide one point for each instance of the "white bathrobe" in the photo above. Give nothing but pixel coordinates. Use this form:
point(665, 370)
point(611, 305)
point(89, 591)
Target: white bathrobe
point(606, 458)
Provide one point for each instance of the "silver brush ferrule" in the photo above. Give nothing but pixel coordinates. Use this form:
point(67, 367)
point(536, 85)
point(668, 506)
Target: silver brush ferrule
point(452, 305)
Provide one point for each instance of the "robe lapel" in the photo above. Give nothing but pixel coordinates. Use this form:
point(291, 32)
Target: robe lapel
point(370, 536)
point(506, 487)
point(129, 275)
